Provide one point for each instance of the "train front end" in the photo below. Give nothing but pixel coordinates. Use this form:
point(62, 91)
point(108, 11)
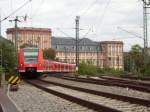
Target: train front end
point(30, 62)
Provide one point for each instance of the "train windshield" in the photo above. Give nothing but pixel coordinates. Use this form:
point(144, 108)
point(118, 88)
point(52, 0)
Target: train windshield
point(30, 55)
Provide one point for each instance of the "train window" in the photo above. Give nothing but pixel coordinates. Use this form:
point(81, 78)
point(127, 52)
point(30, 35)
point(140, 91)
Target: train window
point(66, 67)
point(59, 66)
point(62, 66)
point(49, 66)
point(30, 55)
point(70, 67)
point(55, 65)
point(52, 66)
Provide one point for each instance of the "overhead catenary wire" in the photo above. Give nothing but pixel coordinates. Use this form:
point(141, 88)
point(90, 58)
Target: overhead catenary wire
point(88, 8)
point(104, 13)
point(37, 9)
point(131, 33)
point(63, 32)
point(84, 11)
point(16, 10)
point(90, 29)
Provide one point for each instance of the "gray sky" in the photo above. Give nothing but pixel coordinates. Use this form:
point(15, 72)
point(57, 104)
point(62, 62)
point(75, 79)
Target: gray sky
point(98, 18)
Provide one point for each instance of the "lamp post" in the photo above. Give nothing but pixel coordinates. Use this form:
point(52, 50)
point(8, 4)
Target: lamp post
point(97, 55)
point(65, 54)
point(146, 3)
point(16, 20)
point(77, 41)
point(118, 61)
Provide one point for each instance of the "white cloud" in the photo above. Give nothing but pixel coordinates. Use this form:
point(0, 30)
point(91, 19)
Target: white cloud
point(103, 17)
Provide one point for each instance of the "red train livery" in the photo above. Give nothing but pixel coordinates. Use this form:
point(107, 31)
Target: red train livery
point(30, 61)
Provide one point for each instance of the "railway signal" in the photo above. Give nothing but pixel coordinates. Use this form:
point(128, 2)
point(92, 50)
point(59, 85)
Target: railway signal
point(14, 81)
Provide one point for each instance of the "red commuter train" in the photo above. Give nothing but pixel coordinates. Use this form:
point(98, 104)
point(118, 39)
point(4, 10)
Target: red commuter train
point(31, 62)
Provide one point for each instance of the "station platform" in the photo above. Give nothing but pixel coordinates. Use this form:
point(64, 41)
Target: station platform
point(6, 105)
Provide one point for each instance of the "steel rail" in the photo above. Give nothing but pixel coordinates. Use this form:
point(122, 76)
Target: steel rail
point(91, 105)
point(136, 78)
point(121, 80)
point(108, 83)
point(143, 102)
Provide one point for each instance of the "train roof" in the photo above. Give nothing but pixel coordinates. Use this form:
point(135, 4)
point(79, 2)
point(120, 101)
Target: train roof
point(59, 62)
point(30, 48)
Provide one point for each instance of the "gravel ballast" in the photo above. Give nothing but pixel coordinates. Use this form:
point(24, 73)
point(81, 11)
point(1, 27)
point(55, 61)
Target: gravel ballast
point(115, 104)
point(31, 99)
point(109, 89)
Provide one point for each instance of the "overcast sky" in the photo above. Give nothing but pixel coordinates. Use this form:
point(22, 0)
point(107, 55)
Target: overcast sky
point(99, 19)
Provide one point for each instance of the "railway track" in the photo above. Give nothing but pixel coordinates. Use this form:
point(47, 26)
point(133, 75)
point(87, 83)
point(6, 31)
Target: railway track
point(114, 101)
point(129, 81)
point(72, 98)
point(117, 102)
point(136, 78)
point(140, 101)
point(110, 83)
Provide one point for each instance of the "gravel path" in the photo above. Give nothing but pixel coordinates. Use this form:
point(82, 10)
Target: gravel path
point(31, 99)
point(109, 89)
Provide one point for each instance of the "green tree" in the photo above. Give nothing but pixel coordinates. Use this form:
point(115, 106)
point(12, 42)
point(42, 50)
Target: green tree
point(128, 62)
point(27, 45)
point(8, 54)
point(1, 70)
point(136, 57)
point(49, 54)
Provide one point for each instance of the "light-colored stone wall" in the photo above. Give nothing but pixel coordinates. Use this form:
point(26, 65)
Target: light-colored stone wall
point(111, 56)
point(39, 37)
point(70, 57)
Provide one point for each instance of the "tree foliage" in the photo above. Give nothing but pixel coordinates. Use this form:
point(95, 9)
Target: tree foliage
point(87, 69)
point(134, 61)
point(1, 70)
point(27, 45)
point(136, 56)
point(90, 69)
point(49, 54)
point(8, 54)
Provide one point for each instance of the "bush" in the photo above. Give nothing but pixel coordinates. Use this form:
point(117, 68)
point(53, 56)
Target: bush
point(1, 70)
point(91, 70)
point(100, 71)
point(116, 72)
point(147, 70)
point(87, 69)
point(109, 71)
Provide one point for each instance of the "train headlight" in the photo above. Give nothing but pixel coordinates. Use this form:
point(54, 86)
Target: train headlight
point(21, 64)
point(40, 64)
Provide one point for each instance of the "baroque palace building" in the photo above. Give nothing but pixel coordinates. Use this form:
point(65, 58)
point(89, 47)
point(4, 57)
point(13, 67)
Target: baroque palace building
point(104, 54)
